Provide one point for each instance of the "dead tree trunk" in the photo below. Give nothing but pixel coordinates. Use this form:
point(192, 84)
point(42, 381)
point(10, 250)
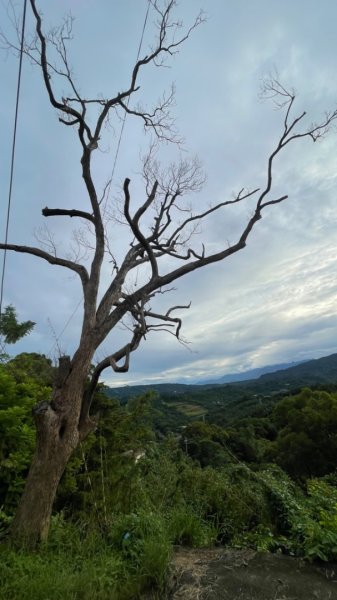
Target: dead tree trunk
point(58, 435)
point(159, 241)
point(32, 519)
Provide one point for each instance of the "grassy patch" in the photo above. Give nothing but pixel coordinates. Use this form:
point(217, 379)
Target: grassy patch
point(190, 410)
point(121, 565)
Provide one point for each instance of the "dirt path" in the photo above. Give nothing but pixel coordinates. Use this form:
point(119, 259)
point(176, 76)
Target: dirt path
point(221, 574)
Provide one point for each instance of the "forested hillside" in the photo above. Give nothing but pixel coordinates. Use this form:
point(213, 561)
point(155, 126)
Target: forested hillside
point(224, 403)
point(264, 478)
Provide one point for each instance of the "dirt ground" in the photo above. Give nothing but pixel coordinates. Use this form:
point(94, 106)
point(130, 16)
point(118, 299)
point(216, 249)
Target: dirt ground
point(222, 574)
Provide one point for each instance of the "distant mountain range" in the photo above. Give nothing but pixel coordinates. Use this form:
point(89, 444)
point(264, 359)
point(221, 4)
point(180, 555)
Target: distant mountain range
point(250, 374)
point(269, 378)
point(319, 371)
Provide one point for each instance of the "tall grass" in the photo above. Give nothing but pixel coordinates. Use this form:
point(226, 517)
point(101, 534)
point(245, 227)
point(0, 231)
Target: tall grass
point(120, 565)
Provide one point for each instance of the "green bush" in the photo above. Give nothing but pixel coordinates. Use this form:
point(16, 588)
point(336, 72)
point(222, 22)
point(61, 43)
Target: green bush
point(119, 518)
point(19, 392)
point(188, 529)
point(316, 532)
point(230, 498)
point(306, 525)
point(306, 443)
point(143, 542)
point(261, 538)
point(76, 565)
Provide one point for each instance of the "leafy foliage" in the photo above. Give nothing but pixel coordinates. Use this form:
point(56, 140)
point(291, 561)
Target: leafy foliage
point(130, 493)
point(226, 403)
point(317, 530)
point(104, 470)
point(306, 443)
point(10, 328)
point(18, 394)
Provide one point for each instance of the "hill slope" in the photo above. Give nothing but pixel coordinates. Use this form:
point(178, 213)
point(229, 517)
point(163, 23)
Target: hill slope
point(313, 372)
point(250, 374)
point(178, 404)
point(319, 370)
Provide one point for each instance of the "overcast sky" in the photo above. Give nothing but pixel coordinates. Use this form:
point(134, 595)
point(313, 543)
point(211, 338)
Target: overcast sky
point(274, 302)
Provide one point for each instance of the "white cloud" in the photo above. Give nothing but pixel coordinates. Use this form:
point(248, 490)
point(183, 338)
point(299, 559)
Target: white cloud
point(275, 300)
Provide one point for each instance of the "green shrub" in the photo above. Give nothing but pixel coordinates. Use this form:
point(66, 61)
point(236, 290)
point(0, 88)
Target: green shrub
point(285, 499)
point(5, 521)
point(76, 565)
point(143, 542)
point(261, 538)
point(305, 524)
point(316, 532)
point(231, 498)
point(53, 576)
point(188, 529)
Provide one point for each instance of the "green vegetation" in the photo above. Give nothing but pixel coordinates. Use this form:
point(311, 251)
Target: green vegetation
point(225, 403)
point(306, 443)
point(23, 383)
point(143, 483)
point(188, 409)
point(76, 564)
point(10, 328)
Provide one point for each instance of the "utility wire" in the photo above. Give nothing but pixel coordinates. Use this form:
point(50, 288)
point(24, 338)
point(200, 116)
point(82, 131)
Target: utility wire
point(13, 152)
point(57, 337)
point(128, 102)
point(114, 163)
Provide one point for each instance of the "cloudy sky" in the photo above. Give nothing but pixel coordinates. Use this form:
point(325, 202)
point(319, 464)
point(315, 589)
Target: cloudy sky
point(274, 302)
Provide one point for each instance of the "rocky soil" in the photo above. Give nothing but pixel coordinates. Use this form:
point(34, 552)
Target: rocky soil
point(226, 574)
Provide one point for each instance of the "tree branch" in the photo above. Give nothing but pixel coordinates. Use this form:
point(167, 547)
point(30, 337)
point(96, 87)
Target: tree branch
point(200, 216)
point(133, 222)
point(53, 260)
point(110, 361)
point(55, 212)
point(63, 107)
point(167, 318)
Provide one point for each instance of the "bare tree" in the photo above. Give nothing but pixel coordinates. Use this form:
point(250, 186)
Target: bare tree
point(162, 229)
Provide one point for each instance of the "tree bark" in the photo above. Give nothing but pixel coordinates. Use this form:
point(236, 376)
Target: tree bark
point(58, 435)
point(32, 520)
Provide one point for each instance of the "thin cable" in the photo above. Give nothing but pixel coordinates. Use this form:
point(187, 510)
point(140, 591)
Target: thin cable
point(128, 101)
point(115, 160)
point(90, 484)
point(102, 475)
point(57, 338)
point(13, 152)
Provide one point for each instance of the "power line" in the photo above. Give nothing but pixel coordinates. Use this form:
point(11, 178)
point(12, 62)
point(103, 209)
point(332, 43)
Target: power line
point(13, 152)
point(128, 101)
point(57, 337)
